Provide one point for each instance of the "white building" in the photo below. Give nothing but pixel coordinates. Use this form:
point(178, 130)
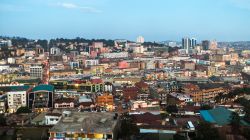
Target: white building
point(36, 71)
point(11, 60)
point(138, 49)
point(140, 39)
point(115, 55)
point(91, 62)
point(182, 97)
point(55, 51)
point(16, 99)
point(52, 118)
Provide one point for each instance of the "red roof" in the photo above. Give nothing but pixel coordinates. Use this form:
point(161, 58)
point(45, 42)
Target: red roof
point(141, 84)
point(130, 93)
point(96, 81)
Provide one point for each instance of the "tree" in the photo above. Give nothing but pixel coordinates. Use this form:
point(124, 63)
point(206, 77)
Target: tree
point(128, 128)
point(205, 107)
point(172, 109)
point(23, 110)
point(2, 120)
point(206, 132)
point(246, 133)
point(235, 122)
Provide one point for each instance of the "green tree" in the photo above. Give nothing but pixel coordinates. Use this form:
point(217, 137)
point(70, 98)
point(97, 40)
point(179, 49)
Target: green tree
point(2, 120)
point(128, 127)
point(206, 132)
point(235, 122)
point(205, 107)
point(172, 109)
point(23, 110)
point(246, 133)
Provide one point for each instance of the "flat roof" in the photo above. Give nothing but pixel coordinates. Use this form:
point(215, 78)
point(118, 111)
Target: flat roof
point(86, 122)
point(43, 87)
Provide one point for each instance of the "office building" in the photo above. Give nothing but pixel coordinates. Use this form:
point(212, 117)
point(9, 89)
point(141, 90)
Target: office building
point(41, 98)
point(36, 71)
point(205, 44)
point(17, 97)
point(140, 39)
point(85, 125)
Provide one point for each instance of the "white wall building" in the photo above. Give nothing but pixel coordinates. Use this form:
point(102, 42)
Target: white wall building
point(115, 55)
point(52, 118)
point(55, 51)
point(91, 62)
point(36, 71)
point(140, 39)
point(16, 99)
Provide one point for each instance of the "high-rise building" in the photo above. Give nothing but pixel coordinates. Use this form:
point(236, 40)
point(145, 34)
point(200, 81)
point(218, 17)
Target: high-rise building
point(140, 39)
point(36, 71)
point(193, 43)
point(186, 43)
point(213, 45)
point(205, 44)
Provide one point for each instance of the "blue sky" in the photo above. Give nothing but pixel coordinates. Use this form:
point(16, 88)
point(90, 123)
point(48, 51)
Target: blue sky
point(156, 20)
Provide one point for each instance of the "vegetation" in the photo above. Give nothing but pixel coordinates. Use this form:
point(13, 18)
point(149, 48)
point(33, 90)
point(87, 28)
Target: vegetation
point(235, 123)
point(128, 128)
point(172, 109)
point(23, 110)
point(206, 107)
point(206, 132)
point(2, 120)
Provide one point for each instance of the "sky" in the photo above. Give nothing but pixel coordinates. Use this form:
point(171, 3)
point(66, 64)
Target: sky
point(155, 20)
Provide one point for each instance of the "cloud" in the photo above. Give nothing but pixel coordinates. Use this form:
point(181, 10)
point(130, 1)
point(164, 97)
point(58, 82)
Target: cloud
point(82, 8)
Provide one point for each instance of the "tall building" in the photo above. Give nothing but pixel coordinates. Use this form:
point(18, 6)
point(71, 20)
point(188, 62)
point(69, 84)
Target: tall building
point(140, 39)
point(205, 44)
point(36, 71)
point(213, 45)
point(193, 43)
point(17, 97)
point(186, 44)
point(41, 98)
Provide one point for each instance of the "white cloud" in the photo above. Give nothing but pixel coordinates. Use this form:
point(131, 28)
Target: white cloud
point(82, 8)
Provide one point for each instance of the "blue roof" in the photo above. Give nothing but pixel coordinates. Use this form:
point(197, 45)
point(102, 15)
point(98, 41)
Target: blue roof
point(42, 87)
point(219, 115)
point(15, 88)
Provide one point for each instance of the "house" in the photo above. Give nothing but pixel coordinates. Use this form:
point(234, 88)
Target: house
point(64, 103)
point(85, 125)
point(52, 118)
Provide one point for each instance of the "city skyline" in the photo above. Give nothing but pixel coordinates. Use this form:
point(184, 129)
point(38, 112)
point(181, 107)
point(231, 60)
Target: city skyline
point(225, 20)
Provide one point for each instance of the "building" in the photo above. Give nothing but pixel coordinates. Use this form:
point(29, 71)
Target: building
point(115, 55)
point(36, 71)
point(64, 103)
point(17, 97)
point(41, 98)
point(3, 106)
point(140, 39)
point(106, 101)
point(193, 43)
point(205, 44)
point(219, 116)
point(91, 62)
point(52, 118)
point(86, 125)
point(186, 43)
point(55, 51)
point(205, 92)
point(213, 45)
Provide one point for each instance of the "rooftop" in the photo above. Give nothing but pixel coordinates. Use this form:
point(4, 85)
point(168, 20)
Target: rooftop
point(49, 88)
point(95, 122)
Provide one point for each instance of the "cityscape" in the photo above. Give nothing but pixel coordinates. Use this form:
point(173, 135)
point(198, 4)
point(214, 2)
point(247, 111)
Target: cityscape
point(123, 80)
